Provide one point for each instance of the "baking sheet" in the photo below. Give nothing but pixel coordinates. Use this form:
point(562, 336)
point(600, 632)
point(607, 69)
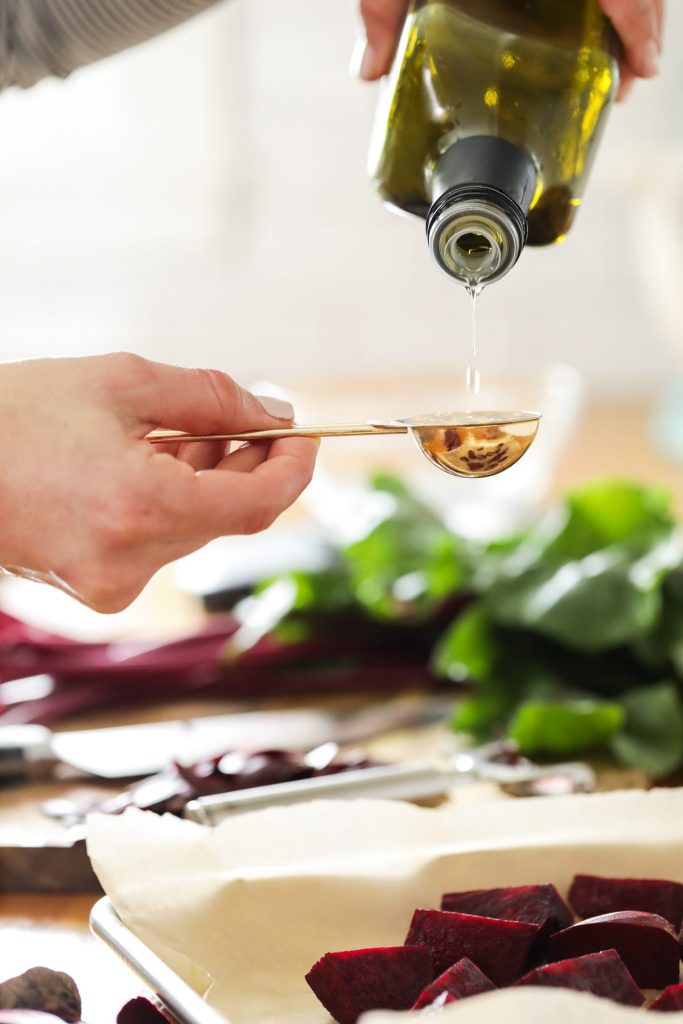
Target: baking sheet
point(183, 1002)
point(241, 912)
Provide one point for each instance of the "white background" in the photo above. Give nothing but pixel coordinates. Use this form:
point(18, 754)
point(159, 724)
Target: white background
point(203, 199)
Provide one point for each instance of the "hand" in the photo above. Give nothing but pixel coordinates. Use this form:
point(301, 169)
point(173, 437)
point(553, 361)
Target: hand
point(90, 506)
point(639, 23)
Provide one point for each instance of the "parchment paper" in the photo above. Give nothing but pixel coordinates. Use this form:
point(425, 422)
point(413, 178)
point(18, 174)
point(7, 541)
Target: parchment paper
point(254, 903)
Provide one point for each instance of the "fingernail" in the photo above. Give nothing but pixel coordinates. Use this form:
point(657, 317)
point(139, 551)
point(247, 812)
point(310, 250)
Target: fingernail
point(276, 407)
point(363, 60)
point(650, 59)
point(368, 64)
point(357, 55)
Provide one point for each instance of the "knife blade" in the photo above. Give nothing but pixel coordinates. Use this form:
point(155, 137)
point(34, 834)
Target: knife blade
point(133, 751)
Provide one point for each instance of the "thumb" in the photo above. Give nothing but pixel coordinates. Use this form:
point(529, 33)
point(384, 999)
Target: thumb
point(383, 20)
point(195, 400)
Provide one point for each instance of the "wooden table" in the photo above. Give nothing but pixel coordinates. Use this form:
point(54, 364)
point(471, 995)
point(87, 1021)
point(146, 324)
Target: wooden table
point(53, 930)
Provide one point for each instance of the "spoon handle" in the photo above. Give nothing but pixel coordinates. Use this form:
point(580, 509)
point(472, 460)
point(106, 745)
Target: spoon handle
point(314, 430)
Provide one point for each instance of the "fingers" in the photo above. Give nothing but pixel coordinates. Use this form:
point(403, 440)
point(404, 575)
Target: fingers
point(201, 454)
point(626, 80)
point(639, 24)
point(226, 502)
point(383, 20)
point(199, 401)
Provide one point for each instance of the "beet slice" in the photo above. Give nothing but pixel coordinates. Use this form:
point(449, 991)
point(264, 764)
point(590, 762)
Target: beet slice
point(141, 1010)
point(645, 942)
point(535, 904)
point(498, 948)
point(604, 974)
point(591, 895)
point(460, 981)
point(388, 978)
point(670, 1000)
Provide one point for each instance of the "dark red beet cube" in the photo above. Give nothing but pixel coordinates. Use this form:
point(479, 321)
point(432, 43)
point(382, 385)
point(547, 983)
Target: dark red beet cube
point(645, 942)
point(603, 974)
point(535, 904)
point(590, 895)
point(458, 982)
point(141, 1011)
point(388, 978)
point(670, 1000)
point(498, 948)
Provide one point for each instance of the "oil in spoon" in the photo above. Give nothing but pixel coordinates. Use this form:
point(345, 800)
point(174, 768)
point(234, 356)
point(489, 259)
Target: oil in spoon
point(474, 444)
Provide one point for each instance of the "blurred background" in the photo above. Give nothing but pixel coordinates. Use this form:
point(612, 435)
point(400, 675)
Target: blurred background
point(203, 199)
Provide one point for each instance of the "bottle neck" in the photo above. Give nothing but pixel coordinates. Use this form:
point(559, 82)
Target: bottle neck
point(482, 188)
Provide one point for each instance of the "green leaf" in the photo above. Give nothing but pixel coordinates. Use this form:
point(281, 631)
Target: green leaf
point(652, 736)
point(607, 512)
point(564, 729)
point(408, 563)
point(482, 715)
point(595, 603)
point(468, 649)
point(662, 649)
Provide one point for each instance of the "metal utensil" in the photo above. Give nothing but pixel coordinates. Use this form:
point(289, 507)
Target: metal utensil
point(129, 751)
point(465, 444)
point(417, 780)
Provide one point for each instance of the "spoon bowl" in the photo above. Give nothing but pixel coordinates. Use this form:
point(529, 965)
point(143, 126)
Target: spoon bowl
point(474, 444)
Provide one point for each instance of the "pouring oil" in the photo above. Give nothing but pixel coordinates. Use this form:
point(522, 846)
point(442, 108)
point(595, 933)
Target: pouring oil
point(472, 375)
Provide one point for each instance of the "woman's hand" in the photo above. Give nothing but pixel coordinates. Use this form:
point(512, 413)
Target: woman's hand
point(90, 506)
point(639, 23)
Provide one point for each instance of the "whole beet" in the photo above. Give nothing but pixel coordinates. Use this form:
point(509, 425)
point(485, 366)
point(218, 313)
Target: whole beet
point(45, 990)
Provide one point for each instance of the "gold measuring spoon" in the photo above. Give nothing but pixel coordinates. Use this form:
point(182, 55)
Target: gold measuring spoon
point(468, 444)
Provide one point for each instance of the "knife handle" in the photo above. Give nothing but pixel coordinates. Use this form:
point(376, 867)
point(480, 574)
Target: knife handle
point(413, 781)
point(25, 751)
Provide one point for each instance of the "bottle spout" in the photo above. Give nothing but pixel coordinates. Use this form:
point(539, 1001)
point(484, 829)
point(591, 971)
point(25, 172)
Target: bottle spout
point(482, 188)
point(475, 236)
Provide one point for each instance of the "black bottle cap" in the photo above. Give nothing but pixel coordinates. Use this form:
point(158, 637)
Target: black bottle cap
point(487, 160)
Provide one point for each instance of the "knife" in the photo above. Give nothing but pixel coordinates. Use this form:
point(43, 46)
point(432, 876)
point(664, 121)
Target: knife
point(133, 751)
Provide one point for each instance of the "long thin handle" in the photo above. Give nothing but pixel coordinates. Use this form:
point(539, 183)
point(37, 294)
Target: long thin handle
point(410, 781)
point(312, 430)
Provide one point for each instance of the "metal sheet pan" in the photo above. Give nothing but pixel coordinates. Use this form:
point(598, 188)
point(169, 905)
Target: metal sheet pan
point(176, 995)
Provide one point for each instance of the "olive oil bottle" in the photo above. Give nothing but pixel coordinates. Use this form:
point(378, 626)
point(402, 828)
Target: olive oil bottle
point(489, 124)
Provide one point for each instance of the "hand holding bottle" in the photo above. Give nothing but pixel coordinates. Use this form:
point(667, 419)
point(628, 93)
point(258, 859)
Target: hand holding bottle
point(89, 506)
point(639, 23)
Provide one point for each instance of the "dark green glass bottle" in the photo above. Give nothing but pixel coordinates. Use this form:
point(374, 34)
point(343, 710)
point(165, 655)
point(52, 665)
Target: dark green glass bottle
point(490, 122)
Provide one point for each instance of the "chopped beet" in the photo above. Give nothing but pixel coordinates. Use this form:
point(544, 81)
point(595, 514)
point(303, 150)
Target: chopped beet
point(670, 1000)
point(645, 942)
point(603, 974)
point(590, 895)
point(458, 982)
point(141, 1011)
point(535, 904)
point(499, 948)
point(352, 982)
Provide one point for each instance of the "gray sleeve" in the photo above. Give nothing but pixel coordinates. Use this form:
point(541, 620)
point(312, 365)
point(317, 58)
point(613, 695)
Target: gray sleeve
point(54, 37)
